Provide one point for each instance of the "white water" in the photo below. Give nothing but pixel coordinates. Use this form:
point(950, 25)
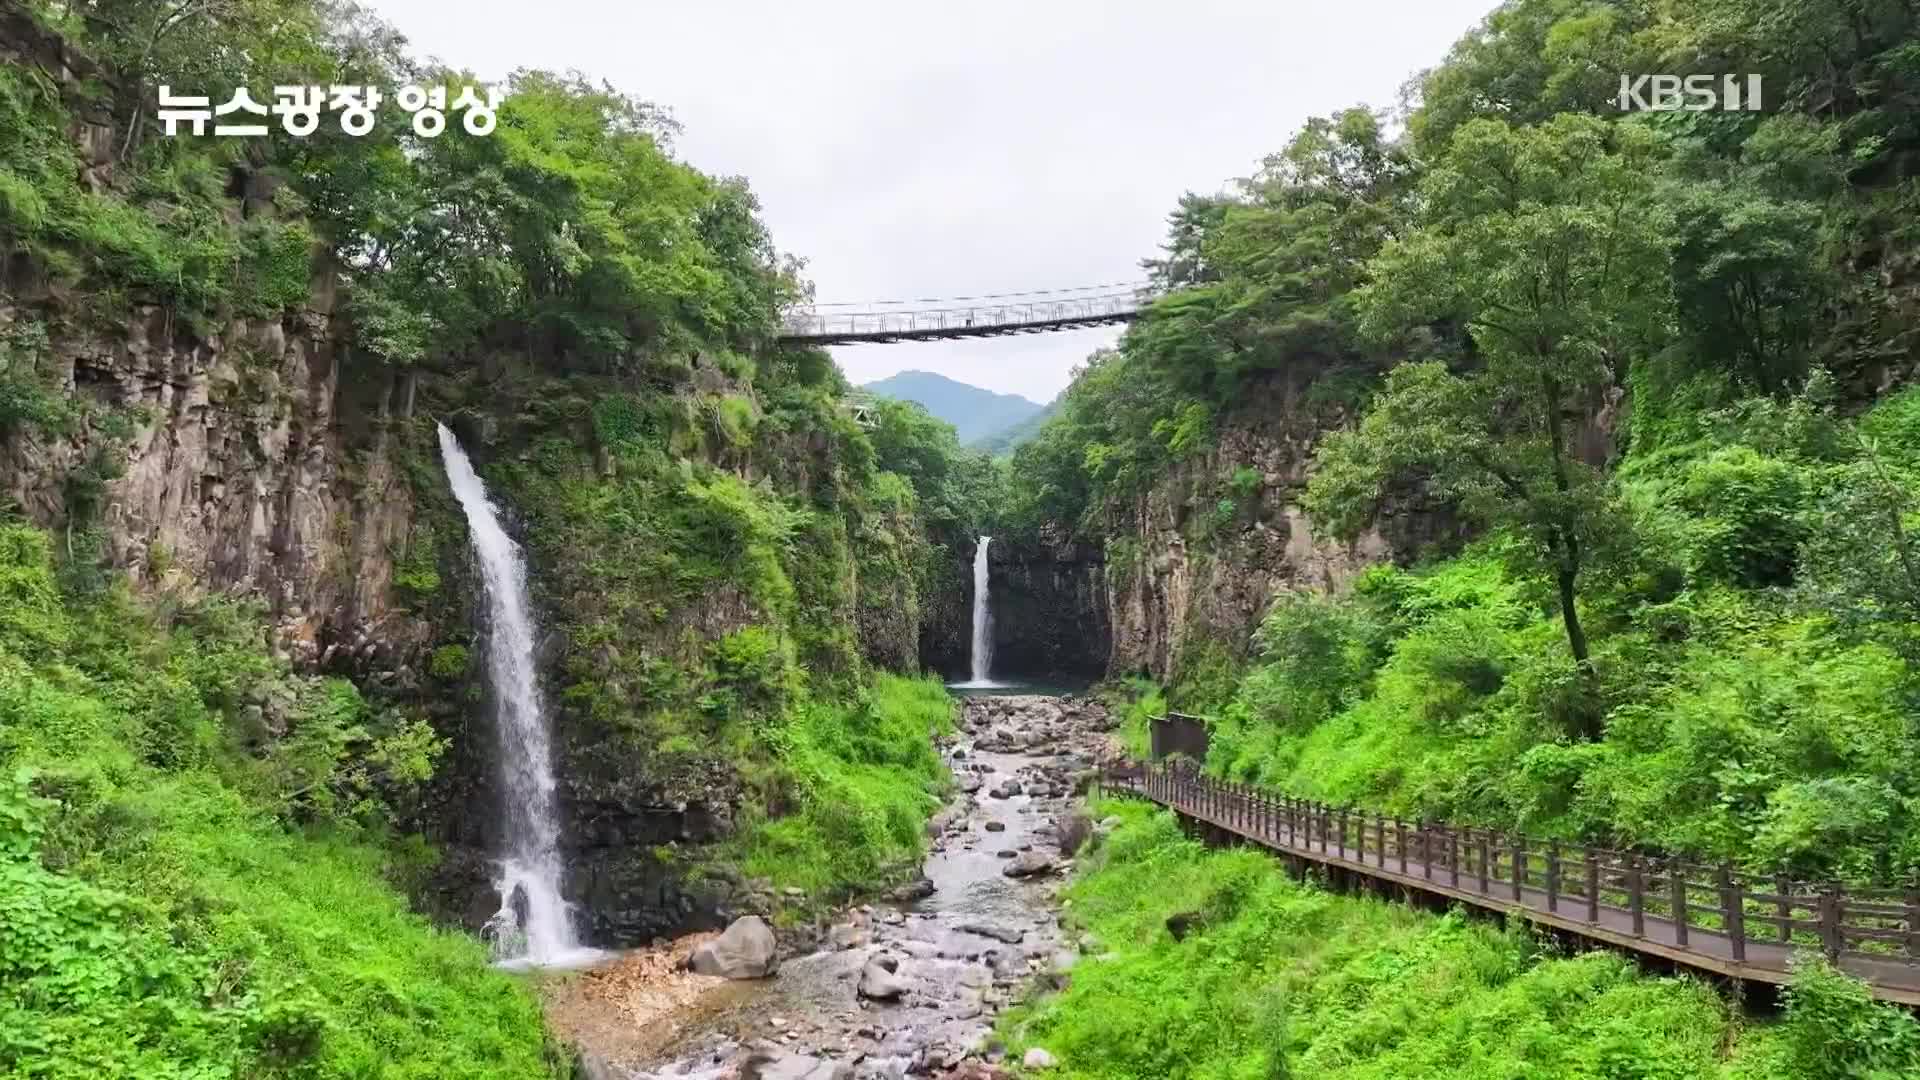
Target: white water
point(982, 623)
point(530, 860)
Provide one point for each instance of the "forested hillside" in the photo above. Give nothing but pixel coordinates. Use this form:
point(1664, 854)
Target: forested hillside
point(244, 717)
point(976, 415)
point(1651, 362)
point(1526, 463)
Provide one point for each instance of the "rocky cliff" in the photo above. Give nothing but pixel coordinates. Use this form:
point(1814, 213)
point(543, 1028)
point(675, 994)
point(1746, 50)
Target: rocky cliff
point(242, 461)
point(261, 459)
point(1193, 561)
point(1050, 615)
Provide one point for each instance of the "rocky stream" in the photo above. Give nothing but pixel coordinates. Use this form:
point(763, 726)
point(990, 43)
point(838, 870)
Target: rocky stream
point(904, 986)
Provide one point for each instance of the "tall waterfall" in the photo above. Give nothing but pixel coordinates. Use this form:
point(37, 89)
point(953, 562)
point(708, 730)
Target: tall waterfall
point(982, 616)
point(534, 926)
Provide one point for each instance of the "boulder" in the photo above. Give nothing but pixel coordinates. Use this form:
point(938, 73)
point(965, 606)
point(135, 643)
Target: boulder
point(1038, 1059)
point(847, 935)
point(746, 950)
point(1183, 923)
point(880, 979)
point(1028, 864)
point(940, 823)
point(917, 889)
point(1073, 831)
point(772, 1063)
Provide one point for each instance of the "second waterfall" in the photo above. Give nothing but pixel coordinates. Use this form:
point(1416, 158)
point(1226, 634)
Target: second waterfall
point(534, 926)
point(982, 657)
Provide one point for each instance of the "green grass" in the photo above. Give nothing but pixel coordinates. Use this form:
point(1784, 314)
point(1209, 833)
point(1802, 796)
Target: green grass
point(174, 903)
point(1288, 980)
point(1137, 701)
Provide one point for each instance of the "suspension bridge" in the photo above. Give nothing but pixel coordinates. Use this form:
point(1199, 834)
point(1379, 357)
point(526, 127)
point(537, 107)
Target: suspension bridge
point(944, 319)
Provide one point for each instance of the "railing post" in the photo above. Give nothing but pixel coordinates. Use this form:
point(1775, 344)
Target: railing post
point(1593, 887)
point(1636, 896)
point(1783, 889)
point(1677, 885)
point(1553, 876)
point(1426, 848)
point(1733, 913)
point(1486, 869)
point(1830, 940)
point(1519, 865)
point(1400, 838)
point(1913, 922)
point(1343, 832)
point(1453, 854)
point(1380, 839)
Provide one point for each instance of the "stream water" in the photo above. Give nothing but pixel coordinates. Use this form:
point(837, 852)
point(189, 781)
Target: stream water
point(965, 940)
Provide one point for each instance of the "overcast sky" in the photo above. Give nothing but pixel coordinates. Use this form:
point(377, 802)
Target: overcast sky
point(912, 150)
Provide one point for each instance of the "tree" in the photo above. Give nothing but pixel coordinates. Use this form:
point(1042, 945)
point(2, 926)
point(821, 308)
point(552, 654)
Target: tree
point(1548, 243)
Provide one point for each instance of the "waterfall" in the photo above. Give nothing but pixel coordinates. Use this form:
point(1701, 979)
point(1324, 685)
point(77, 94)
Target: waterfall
point(982, 616)
point(534, 926)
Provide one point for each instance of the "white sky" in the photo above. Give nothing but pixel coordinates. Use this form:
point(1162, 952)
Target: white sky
point(913, 150)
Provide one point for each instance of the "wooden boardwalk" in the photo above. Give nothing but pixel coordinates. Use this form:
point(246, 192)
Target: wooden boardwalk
point(1712, 919)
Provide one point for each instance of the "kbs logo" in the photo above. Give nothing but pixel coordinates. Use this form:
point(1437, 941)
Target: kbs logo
point(1691, 93)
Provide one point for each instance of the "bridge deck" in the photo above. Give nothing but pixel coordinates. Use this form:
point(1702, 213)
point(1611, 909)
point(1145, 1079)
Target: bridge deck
point(1442, 862)
point(848, 336)
point(1028, 316)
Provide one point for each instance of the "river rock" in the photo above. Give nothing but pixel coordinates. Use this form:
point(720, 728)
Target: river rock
point(917, 889)
point(745, 951)
point(879, 979)
point(771, 1063)
point(1028, 864)
point(1007, 790)
point(1008, 934)
point(848, 935)
point(1073, 832)
point(1182, 923)
point(1038, 1059)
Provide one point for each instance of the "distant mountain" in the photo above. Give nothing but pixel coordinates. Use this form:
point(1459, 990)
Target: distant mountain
point(975, 413)
point(1007, 440)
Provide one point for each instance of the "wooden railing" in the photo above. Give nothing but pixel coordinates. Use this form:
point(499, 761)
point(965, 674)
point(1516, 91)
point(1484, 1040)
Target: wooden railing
point(1715, 917)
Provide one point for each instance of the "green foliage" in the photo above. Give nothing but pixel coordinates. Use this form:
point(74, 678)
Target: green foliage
point(448, 662)
point(1280, 979)
point(1835, 1031)
point(1138, 701)
point(27, 398)
point(1259, 297)
point(1748, 517)
point(852, 787)
point(182, 895)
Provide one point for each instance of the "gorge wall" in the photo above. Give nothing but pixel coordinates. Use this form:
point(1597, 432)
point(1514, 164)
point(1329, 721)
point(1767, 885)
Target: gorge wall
point(1193, 561)
point(263, 459)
